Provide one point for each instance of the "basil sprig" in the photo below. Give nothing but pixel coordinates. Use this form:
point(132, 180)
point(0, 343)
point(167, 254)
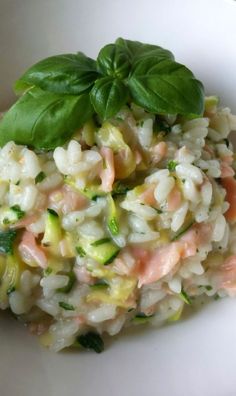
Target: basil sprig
point(62, 92)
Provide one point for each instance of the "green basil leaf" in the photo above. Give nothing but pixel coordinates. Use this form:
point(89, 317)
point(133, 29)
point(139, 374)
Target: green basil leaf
point(113, 61)
point(67, 74)
point(108, 96)
point(21, 86)
point(136, 50)
point(44, 120)
point(166, 86)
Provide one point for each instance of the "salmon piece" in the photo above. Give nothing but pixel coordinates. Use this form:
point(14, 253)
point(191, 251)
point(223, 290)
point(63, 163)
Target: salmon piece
point(141, 257)
point(226, 170)
point(209, 150)
point(161, 262)
point(66, 200)
point(80, 319)
point(140, 254)
point(229, 183)
point(124, 162)
point(138, 157)
point(107, 175)
point(195, 237)
point(158, 263)
point(148, 195)
point(228, 159)
point(189, 243)
point(159, 151)
point(225, 277)
point(26, 221)
point(30, 252)
point(174, 199)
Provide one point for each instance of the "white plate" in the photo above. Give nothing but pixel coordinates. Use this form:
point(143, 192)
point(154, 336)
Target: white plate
point(194, 357)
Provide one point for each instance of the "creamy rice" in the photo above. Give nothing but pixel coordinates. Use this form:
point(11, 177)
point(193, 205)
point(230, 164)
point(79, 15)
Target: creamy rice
point(127, 230)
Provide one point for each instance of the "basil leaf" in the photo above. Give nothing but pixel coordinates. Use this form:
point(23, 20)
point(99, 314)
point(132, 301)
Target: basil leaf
point(113, 61)
point(67, 74)
point(21, 86)
point(108, 96)
point(44, 120)
point(136, 50)
point(166, 87)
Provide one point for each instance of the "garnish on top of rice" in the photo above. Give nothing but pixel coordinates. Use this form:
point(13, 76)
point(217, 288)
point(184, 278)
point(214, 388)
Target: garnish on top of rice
point(117, 194)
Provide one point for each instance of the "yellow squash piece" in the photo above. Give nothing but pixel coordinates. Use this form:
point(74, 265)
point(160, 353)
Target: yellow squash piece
point(110, 136)
point(11, 268)
point(118, 293)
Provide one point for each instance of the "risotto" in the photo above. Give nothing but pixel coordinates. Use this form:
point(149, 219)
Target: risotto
point(129, 221)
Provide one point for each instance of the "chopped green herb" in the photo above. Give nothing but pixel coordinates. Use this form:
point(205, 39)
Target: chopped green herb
point(40, 177)
point(216, 297)
point(101, 241)
point(52, 212)
point(11, 290)
point(159, 211)
point(130, 309)
point(92, 341)
point(47, 271)
point(7, 239)
point(172, 165)
point(20, 213)
point(142, 318)
point(182, 231)
point(70, 284)
point(101, 284)
point(67, 307)
point(207, 287)
point(183, 180)
point(184, 296)
point(80, 251)
point(17, 183)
